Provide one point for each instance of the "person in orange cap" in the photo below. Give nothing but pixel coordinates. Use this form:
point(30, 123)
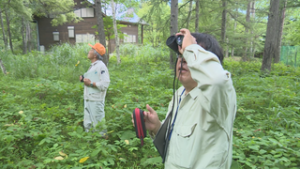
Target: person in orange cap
point(96, 81)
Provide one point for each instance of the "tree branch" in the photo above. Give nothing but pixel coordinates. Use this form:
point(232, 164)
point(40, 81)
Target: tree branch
point(238, 20)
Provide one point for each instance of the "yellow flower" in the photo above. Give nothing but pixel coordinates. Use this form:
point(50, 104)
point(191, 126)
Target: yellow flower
point(83, 159)
point(126, 141)
point(63, 154)
point(59, 158)
point(77, 63)
point(125, 105)
point(253, 137)
point(21, 112)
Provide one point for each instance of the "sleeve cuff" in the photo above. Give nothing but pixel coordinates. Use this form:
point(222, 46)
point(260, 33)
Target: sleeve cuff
point(192, 52)
point(194, 48)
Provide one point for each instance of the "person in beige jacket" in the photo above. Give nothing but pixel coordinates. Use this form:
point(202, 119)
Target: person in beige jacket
point(204, 108)
point(95, 90)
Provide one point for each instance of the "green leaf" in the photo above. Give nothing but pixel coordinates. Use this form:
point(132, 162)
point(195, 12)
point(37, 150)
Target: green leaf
point(95, 152)
point(255, 147)
point(261, 151)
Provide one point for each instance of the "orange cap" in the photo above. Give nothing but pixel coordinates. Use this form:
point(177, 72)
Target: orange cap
point(99, 48)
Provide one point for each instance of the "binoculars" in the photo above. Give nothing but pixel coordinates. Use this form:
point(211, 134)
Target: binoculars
point(174, 41)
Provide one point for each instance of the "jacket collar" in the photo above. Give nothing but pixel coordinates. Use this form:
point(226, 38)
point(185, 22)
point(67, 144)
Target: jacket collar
point(93, 64)
point(193, 93)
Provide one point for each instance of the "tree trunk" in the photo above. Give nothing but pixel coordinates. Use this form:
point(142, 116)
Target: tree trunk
point(28, 35)
point(24, 36)
point(100, 25)
point(234, 28)
point(9, 34)
point(252, 15)
point(281, 23)
point(189, 15)
point(227, 48)
point(116, 31)
point(271, 44)
point(108, 47)
point(174, 25)
point(2, 67)
point(3, 31)
point(197, 16)
point(142, 34)
point(223, 26)
point(245, 56)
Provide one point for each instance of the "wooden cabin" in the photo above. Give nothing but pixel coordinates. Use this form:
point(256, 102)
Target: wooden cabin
point(82, 32)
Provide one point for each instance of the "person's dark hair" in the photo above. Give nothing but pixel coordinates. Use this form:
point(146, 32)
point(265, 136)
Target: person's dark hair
point(209, 43)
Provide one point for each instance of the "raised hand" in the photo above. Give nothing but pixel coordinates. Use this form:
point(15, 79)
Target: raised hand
point(152, 122)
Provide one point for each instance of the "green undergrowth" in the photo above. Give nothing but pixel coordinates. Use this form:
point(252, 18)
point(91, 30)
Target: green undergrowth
point(41, 109)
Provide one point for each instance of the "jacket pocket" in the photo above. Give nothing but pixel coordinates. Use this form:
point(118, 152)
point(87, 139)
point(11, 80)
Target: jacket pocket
point(186, 131)
point(183, 145)
point(96, 96)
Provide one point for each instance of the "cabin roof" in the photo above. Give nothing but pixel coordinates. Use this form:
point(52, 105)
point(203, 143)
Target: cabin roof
point(122, 13)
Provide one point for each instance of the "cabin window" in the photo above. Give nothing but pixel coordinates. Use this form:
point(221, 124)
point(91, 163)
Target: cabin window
point(133, 38)
point(89, 12)
point(85, 38)
point(71, 31)
point(84, 12)
point(77, 13)
point(56, 36)
point(129, 38)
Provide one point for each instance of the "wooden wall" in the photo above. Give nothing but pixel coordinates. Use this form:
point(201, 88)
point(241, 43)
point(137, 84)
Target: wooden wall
point(83, 27)
point(46, 31)
point(130, 29)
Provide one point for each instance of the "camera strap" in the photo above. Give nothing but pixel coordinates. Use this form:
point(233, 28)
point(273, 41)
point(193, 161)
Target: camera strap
point(172, 126)
point(139, 123)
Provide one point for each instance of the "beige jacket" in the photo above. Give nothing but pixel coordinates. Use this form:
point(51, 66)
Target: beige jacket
point(202, 136)
point(101, 84)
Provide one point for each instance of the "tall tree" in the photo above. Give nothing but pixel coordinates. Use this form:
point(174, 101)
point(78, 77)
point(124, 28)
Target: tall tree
point(292, 26)
point(247, 25)
point(281, 23)
point(252, 15)
point(223, 26)
point(2, 67)
point(157, 15)
point(234, 28)
point(115, 31)
point(197, 16)
point(28, 35)
point(23, 30)
point(8, 30)
point(3, 30)
point(271, 44)
point(174, 25)
point(101, 28)
point(189, 15)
